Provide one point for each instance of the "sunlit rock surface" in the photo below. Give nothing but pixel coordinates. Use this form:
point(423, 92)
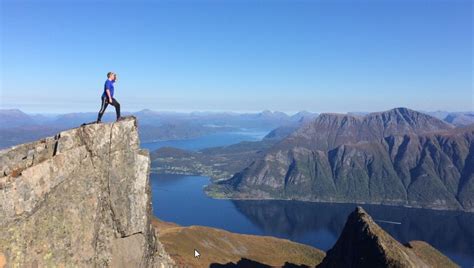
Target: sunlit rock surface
point(81, 198)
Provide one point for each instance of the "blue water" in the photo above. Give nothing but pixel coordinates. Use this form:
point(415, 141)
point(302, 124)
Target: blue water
point(212, 140)
point(180, 199)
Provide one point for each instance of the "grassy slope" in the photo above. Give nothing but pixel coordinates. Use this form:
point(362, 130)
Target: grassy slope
point(219, 246)
point(430, 255)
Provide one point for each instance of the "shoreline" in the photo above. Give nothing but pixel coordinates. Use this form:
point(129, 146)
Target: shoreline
point(224, 197)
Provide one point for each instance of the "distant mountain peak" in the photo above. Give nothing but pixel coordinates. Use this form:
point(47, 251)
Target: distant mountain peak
point(403, 110)
point(12, 112)
point(13, 118)
point(397, 121)
point(146, 112)
point(269, 112)
point(399, 111)
point(302, 113)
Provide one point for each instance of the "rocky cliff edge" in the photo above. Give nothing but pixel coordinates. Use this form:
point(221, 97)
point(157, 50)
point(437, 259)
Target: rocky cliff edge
point(80, 198)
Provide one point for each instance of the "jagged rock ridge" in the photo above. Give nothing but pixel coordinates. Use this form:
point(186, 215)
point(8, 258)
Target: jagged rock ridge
point(80, 198)
point(363, 243)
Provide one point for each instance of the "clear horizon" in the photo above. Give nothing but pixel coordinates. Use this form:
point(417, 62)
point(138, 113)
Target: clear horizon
point(238, 56)
point(290, 113)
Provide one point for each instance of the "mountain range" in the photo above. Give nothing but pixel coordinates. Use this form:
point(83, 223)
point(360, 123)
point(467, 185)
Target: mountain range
point(397, 157)
point(17, 127)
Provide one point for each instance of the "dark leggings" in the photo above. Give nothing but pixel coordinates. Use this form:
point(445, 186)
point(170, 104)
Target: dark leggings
point(105, 103)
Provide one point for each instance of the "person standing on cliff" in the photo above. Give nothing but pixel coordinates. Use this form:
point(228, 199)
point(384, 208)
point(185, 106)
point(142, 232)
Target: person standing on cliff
point(108, 97)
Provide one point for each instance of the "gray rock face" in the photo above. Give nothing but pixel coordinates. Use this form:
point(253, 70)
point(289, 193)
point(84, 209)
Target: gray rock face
point(81, 198)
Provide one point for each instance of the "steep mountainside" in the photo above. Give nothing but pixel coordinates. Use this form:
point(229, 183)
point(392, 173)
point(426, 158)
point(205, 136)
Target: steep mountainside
point(363, 243)
point(398, 157)
point(81, 198)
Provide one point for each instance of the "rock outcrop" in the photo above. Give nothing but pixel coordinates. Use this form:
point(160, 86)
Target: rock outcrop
point(81, 198)
point(363, 243)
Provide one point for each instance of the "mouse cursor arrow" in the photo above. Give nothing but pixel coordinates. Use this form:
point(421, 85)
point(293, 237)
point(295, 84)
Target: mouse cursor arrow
point(196, 254)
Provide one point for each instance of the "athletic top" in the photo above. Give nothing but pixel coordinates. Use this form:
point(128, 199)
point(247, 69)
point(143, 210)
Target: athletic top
point(110, 86)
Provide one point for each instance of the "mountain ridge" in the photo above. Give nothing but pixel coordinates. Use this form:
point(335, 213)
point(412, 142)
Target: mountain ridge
point(397, 157)
point(352, 128)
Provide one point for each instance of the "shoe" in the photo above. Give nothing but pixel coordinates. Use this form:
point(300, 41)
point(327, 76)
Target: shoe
point(120, 119)
point(98, 122)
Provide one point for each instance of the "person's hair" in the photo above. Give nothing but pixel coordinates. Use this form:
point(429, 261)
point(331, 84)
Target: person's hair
point(110, 74)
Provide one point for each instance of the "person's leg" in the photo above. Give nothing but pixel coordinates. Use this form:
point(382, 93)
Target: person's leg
point(116, 104)
point(103, 106)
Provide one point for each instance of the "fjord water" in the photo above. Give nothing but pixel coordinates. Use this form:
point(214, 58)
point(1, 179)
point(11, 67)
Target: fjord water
point(180, 199)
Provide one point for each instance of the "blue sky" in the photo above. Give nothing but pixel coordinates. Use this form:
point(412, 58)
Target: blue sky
point(319, 56)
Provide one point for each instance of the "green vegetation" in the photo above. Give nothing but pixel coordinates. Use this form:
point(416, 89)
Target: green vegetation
point(216, 163)
point(398, 157)
point(430, 255)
